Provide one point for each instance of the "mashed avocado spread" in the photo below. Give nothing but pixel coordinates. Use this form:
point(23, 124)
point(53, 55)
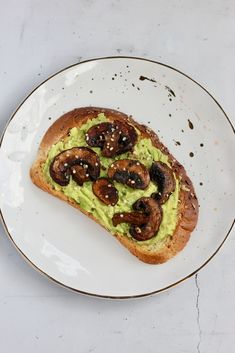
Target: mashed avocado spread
point(146, 153)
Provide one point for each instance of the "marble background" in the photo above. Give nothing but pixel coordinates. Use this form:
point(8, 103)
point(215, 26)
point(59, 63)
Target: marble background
point(38, 38)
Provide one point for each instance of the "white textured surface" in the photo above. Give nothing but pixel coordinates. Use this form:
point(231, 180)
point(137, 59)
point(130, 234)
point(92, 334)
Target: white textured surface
point(40, 37)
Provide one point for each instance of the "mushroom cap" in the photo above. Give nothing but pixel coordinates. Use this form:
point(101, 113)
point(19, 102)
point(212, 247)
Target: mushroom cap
point(152, 208)
point(105, 191)
point(163, 177)
point(80, 162)
point(95, 136)
point(113, 138)
point(130, 172)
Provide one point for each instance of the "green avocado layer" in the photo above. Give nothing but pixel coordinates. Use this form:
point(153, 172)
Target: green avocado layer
point(143, 151)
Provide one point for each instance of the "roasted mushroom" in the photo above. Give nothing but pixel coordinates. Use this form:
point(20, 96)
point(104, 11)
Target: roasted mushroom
point(145, 221)
point(113, 138)
point(95, 136)
point(163, 177)
point(105, 191)
point(135, 218)
point(129, 172)
point(111, 145)
point(80, 162)
point(127, 138)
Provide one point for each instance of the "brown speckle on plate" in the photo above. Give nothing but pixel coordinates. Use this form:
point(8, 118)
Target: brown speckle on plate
point(190, 124)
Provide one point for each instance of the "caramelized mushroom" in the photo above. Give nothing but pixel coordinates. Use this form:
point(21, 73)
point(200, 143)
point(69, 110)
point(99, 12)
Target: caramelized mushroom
point(135, 218)
point(127, 138)
point(105, 191)
point(95, 136)
point(163, 177)
point(110, 147)
point(129, 172)
point(145, 221)
point(80, 162)
point(114, 138)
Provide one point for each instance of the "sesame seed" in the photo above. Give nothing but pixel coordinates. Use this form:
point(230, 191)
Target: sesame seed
point(109, 185)
point(137, 163)
point(121, 215)
point(111, 148)
point(138, 230)
point(87, 175)
point(66, 165)
point(96, 164)
point(124, 138)
point(106, 196)
point(74, 171)
point(85, 166)
point(120, 132)
point(132, 181)
point(75, 156)
point(67, 154)
point(112, 139)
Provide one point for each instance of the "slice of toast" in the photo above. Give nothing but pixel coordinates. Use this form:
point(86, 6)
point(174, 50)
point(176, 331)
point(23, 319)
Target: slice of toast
point(187, 205)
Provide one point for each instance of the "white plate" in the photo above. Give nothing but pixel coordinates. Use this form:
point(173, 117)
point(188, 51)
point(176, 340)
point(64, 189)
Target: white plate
point(66, 245)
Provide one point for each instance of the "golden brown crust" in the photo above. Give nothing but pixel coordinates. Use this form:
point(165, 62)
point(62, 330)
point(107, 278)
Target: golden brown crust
point(188, 204)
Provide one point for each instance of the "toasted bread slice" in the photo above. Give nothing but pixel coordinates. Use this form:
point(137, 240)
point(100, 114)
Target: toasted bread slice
point(187, 209)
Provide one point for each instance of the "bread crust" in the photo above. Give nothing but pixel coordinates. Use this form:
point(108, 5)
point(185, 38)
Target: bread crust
point(188, 204)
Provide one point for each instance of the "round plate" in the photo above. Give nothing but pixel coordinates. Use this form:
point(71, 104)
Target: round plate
point(62, 242)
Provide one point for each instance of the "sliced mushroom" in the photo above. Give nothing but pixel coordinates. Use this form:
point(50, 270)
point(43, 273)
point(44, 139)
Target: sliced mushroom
point(114, 138)
point(136, 218)
point(105, 191)
point(145, 221)
point(129, 172)
point(80, 162)
point(95, 136)
point(79, 173)
point(111, 146)
point(127, 138)
point(163, 177)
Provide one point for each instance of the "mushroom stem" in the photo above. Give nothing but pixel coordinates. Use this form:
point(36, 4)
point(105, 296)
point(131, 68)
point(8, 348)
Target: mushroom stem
point(135, 218)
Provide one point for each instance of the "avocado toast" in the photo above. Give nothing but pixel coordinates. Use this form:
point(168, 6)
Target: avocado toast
point(118, 173)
